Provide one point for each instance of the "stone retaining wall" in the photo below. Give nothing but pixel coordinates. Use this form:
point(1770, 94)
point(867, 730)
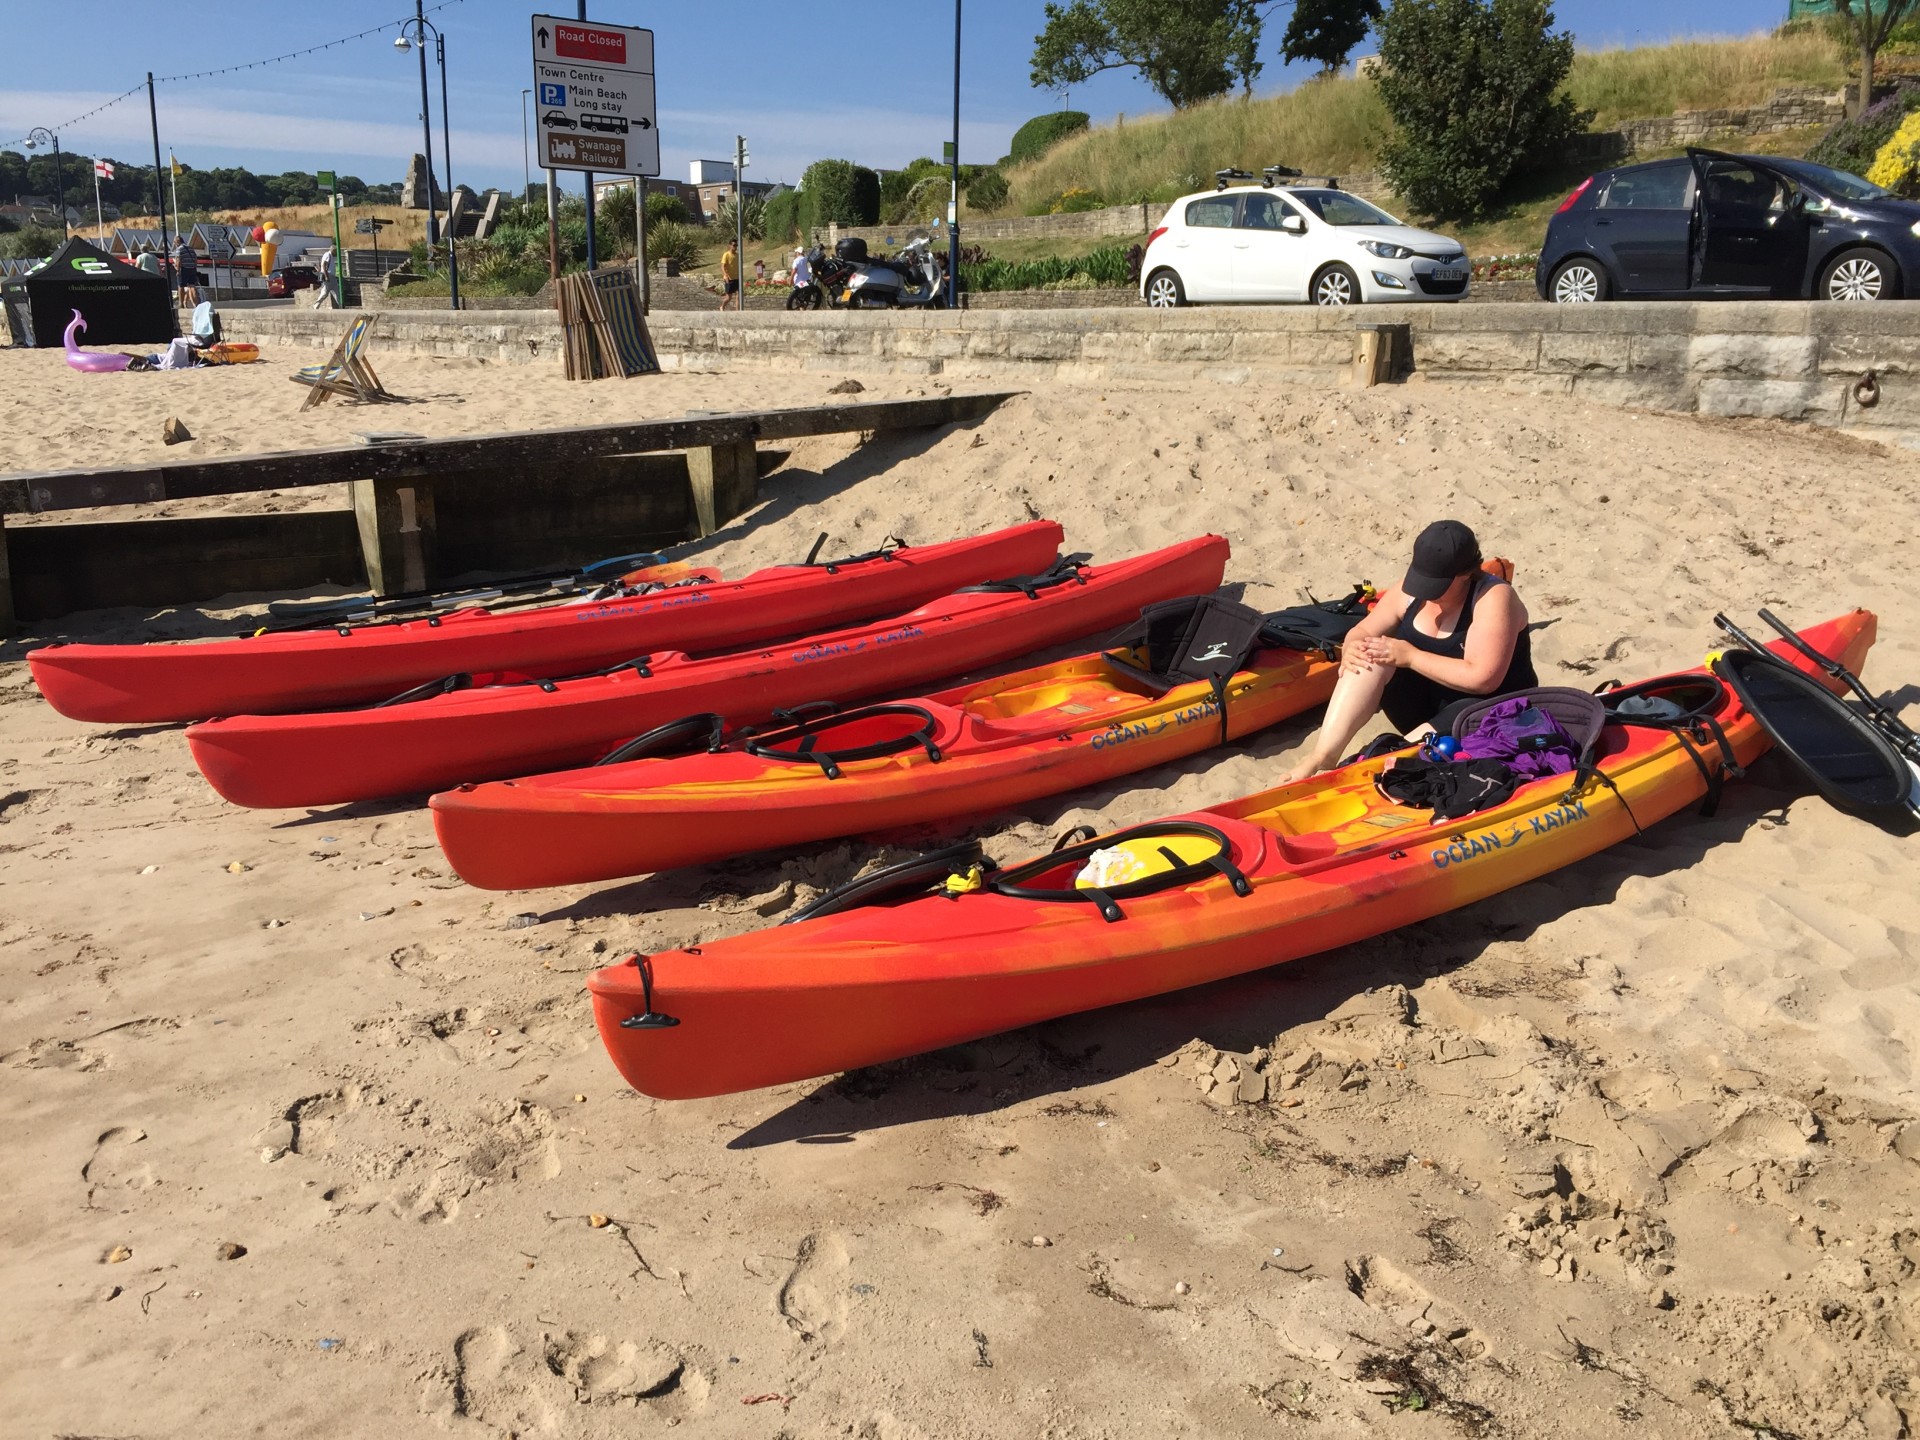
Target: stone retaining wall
point(1795, 108)
point(1786, 360)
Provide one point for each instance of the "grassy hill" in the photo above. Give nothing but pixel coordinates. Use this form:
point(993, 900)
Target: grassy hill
point(1335, 125)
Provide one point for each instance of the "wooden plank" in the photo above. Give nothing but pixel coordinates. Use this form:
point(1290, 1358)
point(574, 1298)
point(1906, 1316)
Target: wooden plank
point(58, 569)
point(6, 585)
point(395, 521)
point(292, 469)
point(554, 516)
point(725, 483)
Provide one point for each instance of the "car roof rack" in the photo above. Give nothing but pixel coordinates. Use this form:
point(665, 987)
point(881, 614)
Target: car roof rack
point(1273, 174)
point(1224, 178)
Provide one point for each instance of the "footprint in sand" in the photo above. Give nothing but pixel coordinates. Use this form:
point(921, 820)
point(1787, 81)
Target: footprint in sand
point(400, 1155)
point(813, 1298)
point(520, 1389)
point(115, 1172)
point(1387, 1288)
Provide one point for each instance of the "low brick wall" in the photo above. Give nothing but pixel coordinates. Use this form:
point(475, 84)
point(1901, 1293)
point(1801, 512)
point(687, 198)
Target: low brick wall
point(1785, 360)
point(1794, 108)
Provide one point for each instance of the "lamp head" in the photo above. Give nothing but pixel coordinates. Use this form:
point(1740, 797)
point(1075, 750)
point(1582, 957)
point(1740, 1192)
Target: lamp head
point(402, 44)
point(32, 144)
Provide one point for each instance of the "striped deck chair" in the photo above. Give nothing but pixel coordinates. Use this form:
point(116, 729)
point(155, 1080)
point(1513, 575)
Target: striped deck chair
point(620, 300)
point(347, 372)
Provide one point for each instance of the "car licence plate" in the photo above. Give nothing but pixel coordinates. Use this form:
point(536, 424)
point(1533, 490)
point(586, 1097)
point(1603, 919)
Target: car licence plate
point(1450, 273)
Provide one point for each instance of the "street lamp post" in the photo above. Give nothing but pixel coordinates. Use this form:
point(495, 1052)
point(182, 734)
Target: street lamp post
point(421, 27)
point(526, 166)
point(953, 203)
point(37, 137)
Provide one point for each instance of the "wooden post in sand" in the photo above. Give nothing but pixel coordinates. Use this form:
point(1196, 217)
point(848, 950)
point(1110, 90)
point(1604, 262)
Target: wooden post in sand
point(726, 483)
point(6, 583)
point(397, 533)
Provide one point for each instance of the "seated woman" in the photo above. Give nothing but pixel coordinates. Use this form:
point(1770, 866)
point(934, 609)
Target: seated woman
point(1449, 634)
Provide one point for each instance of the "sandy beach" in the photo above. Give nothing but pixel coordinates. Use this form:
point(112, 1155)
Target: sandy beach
point(307, 1138)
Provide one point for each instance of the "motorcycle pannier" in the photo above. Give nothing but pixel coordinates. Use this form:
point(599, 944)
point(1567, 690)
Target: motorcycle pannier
point(852, 249)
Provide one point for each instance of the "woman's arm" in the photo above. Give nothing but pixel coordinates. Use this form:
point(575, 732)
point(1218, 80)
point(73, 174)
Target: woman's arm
point(1379, 621)
point(1498, 619)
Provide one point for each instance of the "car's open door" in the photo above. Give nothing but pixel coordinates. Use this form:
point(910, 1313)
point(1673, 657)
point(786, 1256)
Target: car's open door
point(1748, 233)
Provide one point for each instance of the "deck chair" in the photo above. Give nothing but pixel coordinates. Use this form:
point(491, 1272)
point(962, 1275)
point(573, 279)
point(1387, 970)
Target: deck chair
point(347, 373)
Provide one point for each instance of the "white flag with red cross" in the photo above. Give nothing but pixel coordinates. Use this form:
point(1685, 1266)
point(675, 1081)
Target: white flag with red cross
point(103, 168)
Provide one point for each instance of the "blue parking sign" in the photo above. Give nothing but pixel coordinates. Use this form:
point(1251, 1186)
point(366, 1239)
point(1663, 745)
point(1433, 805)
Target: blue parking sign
point(553, 94)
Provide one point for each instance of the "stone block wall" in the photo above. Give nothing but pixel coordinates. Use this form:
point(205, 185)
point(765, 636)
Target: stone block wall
point(1795, 108)
point(1788, 360)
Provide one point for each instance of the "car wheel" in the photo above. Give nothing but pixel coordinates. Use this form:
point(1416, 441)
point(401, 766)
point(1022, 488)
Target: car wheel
point(1858, 275)
point(1336, 285)
point(1580, 282)
point(1164, 291)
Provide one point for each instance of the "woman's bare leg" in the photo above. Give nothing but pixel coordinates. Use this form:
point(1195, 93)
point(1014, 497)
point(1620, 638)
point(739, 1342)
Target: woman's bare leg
point(1356, 700)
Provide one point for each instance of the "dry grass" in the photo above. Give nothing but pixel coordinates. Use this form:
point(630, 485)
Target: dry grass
point(1325, 125)
point(408, 226)
point(1704, 74)
point(1335, 125)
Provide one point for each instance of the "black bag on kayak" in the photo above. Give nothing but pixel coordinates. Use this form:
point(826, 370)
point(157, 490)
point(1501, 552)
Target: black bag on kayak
point(1319, 627)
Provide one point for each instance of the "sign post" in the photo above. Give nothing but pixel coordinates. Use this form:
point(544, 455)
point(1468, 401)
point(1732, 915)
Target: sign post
point(328, 179)
point(740, 219)
point(594, 97)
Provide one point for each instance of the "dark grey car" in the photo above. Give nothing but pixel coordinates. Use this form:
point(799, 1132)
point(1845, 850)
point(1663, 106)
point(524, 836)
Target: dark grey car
point(1713, 225)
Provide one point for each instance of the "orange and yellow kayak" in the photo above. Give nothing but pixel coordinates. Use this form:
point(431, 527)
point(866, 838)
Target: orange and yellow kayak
point(1288, 872)
point(965, 751)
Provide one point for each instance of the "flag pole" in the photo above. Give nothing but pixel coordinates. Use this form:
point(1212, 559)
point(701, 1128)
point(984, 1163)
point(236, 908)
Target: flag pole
point(99, 217)
point(174, 166)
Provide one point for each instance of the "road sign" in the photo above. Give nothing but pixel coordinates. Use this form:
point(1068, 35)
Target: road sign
point(595, 87)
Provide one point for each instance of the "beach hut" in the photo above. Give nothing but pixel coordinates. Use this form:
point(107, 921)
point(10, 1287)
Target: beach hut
point(122, 305)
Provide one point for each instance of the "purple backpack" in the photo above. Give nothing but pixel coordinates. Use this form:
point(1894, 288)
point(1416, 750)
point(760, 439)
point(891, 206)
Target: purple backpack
point(1522, 734)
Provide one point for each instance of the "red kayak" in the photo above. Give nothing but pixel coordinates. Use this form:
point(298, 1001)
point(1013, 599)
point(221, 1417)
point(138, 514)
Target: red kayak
point(490, 727)
point(355, 664)
point(982, 747)
point(1292, 871)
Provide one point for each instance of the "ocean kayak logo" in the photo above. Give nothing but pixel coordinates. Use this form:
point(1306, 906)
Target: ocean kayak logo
point(86, 265)
point(1125, 733)
point(1471, 847)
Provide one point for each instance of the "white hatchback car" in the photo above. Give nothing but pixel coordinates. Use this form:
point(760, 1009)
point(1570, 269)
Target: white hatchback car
point(1317, 243)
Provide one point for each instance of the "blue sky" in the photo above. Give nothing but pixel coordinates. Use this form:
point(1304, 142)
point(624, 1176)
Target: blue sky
point(775, 72)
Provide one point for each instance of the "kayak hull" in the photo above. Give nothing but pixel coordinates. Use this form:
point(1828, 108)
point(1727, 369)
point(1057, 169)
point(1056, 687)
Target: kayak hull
point(496, 731)
point(350, 665)
point(883, 982)
point(1000, 743)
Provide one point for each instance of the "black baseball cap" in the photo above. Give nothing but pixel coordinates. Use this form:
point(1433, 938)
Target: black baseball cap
point(1445, 551)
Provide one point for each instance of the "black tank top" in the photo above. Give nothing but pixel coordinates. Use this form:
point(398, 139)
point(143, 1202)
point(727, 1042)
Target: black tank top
point(1520, 674)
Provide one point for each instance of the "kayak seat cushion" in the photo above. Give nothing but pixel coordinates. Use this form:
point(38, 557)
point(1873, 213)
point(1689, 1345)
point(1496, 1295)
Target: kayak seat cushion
point(1177, 642)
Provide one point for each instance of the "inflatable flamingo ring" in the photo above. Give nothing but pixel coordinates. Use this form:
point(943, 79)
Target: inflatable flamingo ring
point(86, 360)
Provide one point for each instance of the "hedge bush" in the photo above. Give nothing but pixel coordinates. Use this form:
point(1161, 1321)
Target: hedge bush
point(987, 191)
point(1110, 266)
point(1043, 132)
point(839, 192)
point(781, 218)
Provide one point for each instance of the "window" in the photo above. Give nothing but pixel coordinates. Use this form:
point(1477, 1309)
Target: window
point(1337, 207)
point(1657, 187)
point(1215, 212)
point(1741, 187)
point(1263, 212)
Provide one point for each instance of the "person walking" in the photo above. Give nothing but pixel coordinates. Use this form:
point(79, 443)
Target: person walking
point(730, 278)
point(188, 264)
point(147, 261)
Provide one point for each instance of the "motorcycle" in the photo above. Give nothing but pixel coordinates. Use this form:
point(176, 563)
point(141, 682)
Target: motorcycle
point(851, 280)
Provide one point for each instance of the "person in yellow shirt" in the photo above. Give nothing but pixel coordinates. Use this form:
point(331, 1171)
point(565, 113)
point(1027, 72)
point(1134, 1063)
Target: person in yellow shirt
point(730, 277)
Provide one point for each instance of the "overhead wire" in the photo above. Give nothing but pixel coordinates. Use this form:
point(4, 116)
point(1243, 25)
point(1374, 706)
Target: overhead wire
point(231, 70)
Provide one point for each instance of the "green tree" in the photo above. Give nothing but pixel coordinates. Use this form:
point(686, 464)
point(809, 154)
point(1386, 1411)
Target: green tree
point(1474, 89)
point(1187, 50)
point(839, 192)
point(1326, 31)
point(753, 211)
point(1871, 24)
point(781, 218)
